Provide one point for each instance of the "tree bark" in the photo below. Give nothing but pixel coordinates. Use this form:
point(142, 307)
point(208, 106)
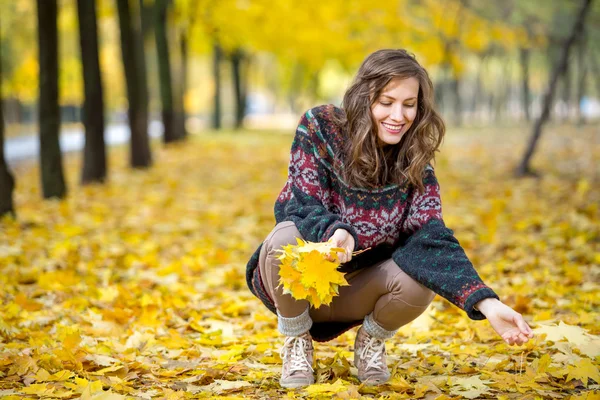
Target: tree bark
point(7, 181)
point(140, 156)
point(139, 37)
point(524, 168)
point(237, 60)
point(164, 70)
point(566, 94)
point(455, 82)
point(524, 58)
point(179, 100)
point(217, 55)
point(53, 181)
point(581, 78)
point(94, 152)
point(595, 71)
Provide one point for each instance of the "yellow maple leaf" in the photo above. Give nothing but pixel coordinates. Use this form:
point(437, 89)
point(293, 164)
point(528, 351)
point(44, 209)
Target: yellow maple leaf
point(39, 389)
point(309, 271)
point(288, 274)
point(327, 388)
point(584, 370)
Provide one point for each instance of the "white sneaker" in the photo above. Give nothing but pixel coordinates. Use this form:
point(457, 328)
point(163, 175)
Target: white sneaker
point(369, 359)
point(297, 356)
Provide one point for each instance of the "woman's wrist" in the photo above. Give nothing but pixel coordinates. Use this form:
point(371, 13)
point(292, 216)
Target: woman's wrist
point(485, 304)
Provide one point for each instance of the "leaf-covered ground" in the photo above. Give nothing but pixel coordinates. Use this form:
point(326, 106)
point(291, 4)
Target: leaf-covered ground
point(135, 288)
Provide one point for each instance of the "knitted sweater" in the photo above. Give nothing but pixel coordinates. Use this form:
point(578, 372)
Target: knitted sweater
point(395, 221)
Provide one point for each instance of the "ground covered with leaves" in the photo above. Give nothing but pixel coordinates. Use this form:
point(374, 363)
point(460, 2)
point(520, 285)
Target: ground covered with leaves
point(135, 288)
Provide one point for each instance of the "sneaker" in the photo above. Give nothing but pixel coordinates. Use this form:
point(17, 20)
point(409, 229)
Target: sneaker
point(369, 359)
point(297, 356)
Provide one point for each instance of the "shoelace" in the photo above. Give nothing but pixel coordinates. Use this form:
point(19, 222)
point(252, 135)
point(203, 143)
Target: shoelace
point(373, 352)
point(294, 347)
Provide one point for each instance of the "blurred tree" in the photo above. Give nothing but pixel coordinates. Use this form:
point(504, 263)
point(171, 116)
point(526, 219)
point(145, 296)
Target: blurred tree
point(559, 68)
point(582, 73)
point(140, 156)
point(181, 17)
point(138, 32)
point(7, 182)
point(182, 86)
point(595, 66)
point(94, 152)
point(239, 63)
point(53, 182)
point(217, 55)
point(171, 128)
point(524, 56)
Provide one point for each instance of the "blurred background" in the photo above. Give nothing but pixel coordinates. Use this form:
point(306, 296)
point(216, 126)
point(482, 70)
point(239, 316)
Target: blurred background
point(266, 61)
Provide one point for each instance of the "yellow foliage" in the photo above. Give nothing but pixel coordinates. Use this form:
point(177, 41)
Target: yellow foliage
point(309, 271)
point(136, 288)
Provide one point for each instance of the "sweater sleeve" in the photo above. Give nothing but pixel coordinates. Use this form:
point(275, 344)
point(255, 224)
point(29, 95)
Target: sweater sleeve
point(433, 256)
point(308, 189)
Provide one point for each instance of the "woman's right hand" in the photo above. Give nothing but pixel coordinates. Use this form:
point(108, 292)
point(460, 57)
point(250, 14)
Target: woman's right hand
point(342, 238)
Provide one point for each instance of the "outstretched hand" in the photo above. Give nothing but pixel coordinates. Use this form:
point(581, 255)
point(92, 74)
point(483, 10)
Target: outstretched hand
point(342, 238)
point(508, 323)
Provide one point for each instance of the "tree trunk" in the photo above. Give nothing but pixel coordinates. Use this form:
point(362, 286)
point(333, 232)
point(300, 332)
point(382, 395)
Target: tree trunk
point(237, 60)
point(595, 71)
point(457, 100)
point(478, 96)
point(295, 86)
point(217, 55)
point(140, 156)
point(146, 18)
point(164, 70)
point(94, 152)
point(179, 100)
point(581, 78)
point(524, 168)
point(7, 182)
point(566, 94)
point(53, 181)
point(140, 53)
point(524, 57)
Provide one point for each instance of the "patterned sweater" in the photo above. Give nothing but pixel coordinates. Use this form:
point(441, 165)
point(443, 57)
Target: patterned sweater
point(395, 221)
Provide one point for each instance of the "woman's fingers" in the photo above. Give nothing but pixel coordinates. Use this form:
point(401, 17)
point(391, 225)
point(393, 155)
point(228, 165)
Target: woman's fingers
point(518, 339)
point(523, 327)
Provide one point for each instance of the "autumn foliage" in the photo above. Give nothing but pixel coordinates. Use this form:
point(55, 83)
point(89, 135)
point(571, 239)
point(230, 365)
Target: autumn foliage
point(136, 288)
point(309, 271)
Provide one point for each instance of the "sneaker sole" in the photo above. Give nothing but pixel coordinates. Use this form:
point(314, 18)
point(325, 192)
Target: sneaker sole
point(373, 382)
point(295, 385)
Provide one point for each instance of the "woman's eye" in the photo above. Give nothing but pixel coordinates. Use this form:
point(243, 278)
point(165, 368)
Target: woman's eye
point(410, 105)
point(385, 104)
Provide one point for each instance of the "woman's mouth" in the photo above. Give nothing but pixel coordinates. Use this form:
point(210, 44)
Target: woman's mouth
point(393, 129)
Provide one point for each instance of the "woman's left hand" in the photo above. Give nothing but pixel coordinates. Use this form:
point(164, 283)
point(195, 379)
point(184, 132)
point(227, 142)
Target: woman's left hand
point(508, 323)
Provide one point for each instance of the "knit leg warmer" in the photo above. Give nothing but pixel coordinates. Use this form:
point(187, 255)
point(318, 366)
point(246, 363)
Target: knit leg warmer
point(373, 329)
point(294, 326)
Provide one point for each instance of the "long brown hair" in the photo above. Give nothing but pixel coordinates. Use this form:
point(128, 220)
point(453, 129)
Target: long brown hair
point(368, 165)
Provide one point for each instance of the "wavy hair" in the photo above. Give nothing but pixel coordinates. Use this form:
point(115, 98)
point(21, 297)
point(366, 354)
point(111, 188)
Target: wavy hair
point(365, 163)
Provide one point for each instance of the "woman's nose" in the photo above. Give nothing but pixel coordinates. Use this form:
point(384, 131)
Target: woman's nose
point(397, 113)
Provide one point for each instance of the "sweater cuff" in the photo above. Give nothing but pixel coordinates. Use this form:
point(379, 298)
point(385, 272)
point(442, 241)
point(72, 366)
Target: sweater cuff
point(475, 298)
point(340, 225)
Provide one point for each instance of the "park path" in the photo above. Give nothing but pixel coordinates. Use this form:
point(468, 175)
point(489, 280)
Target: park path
point(27, 147)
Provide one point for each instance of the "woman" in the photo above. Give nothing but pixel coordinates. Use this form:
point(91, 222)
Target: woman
point(361, 176)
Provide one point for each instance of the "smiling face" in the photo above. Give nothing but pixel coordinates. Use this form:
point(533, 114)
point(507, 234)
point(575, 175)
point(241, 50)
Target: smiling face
point(395, 109)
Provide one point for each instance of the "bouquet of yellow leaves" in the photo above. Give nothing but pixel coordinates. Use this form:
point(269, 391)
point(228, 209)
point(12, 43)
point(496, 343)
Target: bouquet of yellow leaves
point(309, 271)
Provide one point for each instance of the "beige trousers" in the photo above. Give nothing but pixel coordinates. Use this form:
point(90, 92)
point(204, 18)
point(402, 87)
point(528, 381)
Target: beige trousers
point(393, 297)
